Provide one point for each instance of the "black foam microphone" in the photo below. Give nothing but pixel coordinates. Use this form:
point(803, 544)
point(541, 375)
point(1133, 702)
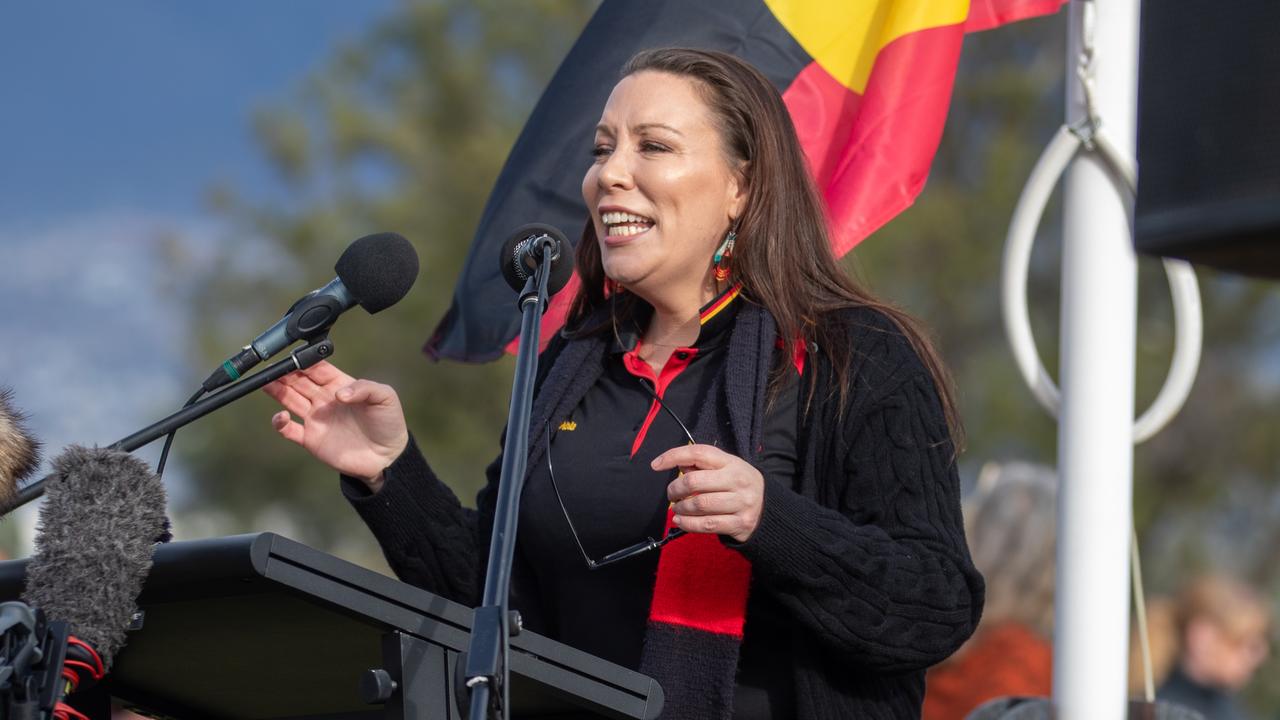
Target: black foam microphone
point(520, 256)
point(374, 272)
point(19, 450)
point(103, 513)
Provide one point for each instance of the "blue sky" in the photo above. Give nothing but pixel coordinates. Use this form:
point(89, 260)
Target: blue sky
point(114, 120)
point(141, 104)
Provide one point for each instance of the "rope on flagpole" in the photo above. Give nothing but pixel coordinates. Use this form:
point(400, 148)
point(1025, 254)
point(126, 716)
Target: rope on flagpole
point(1188, 325)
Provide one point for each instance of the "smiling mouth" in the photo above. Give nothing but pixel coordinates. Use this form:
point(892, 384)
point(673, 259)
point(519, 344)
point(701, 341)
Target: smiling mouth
point(624, 224)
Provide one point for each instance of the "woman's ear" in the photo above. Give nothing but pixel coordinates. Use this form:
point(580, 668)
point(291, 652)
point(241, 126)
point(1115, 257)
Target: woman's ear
point(739, 186)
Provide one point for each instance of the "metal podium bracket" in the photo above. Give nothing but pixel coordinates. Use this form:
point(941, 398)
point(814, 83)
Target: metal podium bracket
point(417, 670)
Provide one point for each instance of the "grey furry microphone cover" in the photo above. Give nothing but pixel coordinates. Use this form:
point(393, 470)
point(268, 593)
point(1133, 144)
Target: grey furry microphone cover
point(103, 513)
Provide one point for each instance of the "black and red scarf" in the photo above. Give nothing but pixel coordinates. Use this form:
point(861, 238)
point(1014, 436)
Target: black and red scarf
point(699, 603)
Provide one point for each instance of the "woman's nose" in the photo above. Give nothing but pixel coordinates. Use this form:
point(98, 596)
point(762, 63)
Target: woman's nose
point(615, 171)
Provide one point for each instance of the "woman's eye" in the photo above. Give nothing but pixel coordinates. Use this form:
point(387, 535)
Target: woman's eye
point(653, 147)
point(600, 151)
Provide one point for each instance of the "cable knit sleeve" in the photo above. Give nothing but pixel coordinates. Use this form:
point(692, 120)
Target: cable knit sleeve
point(875, 563)
point(429, 539)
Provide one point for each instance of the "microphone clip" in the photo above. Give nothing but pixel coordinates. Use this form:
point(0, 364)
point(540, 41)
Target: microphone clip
point(312, 316)
point(533, 259)
point(531, 252)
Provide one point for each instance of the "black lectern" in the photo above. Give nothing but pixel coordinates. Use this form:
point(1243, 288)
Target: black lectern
point(260, 626)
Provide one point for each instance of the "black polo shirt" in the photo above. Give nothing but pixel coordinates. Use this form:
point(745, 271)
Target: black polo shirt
point(600, 455)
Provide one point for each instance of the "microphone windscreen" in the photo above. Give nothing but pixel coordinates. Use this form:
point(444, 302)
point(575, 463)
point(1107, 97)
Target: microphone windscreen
point(19, 450)
point(103, 512)
point(515, 272)
point(378, 270)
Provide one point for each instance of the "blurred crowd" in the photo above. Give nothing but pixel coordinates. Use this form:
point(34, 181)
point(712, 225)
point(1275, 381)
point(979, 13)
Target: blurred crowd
point(1205, 643)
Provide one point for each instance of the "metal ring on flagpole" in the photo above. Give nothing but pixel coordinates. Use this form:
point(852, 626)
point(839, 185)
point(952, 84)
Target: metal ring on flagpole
point(1188, 323)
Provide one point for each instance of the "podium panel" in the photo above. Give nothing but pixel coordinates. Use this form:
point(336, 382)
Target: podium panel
point(260, 626)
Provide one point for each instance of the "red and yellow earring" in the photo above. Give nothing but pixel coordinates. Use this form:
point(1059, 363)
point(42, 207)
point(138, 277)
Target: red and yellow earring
point(723, 255)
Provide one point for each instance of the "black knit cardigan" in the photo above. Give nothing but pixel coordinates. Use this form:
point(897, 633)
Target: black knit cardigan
point(866, 551)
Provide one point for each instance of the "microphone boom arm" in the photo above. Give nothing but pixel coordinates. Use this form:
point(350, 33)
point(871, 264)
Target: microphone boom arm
point(316, 350)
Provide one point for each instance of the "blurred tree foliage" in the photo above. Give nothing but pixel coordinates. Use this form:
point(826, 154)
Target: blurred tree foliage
point(406, 131)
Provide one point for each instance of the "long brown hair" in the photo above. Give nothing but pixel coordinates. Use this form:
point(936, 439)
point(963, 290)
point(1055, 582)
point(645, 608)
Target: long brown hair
point(782, 255)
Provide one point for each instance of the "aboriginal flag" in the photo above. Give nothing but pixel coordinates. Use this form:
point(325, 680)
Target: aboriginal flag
point(867, 83)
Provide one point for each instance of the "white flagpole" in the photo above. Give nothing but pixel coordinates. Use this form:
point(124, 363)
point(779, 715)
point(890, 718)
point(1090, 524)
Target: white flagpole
point(1095, 435)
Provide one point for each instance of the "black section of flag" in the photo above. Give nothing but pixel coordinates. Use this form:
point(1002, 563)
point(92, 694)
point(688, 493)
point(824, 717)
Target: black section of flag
point(542, 178)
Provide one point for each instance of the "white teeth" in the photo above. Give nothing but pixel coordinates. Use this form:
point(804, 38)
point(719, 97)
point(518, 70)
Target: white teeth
point(618, 218)
point(624, 223)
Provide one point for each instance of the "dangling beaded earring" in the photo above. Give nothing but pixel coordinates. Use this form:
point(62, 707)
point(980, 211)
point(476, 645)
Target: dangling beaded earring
point(723, 254)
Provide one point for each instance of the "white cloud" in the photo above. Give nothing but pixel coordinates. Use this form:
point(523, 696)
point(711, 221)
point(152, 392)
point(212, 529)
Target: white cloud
point(90, 342)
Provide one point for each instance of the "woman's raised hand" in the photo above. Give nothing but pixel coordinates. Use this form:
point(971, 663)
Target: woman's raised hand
point(356, 427)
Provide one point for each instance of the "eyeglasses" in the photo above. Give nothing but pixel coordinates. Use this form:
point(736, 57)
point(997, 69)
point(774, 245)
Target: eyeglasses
point(645, 545)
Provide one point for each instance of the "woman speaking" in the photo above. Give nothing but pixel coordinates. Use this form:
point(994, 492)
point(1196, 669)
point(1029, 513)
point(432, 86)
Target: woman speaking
point(722, 384)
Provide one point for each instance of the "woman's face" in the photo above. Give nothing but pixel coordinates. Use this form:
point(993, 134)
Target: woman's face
point(661, 192)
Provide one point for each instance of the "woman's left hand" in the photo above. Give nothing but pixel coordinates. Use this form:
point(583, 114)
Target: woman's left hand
point(716, 492)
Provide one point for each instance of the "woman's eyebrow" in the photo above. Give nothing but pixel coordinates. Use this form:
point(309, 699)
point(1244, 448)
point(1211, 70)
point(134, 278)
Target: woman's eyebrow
point(646, 126)
point(608, 129)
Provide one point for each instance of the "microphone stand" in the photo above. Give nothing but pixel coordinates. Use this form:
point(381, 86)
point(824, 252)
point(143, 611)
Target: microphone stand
point(487, 670)
point(304, 357)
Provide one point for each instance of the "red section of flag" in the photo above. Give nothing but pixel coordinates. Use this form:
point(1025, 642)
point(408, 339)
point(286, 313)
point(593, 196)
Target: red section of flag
point(871, 154)
point(987, 14)
point(553, 319)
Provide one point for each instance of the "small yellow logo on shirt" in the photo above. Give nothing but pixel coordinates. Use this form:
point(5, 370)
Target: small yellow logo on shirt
point(569, 425)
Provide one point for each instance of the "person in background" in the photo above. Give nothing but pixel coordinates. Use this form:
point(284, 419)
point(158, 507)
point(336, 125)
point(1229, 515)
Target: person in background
point(1009, 521)
point(1223, 629)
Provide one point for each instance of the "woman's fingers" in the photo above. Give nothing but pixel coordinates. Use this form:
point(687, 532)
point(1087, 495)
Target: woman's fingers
point(307, 388)
point(315, 387)
point(696, 482)
point(705, 457)
point(288, 427)
point(366, 392)
point(299, 392)
point(275, 389)
point(326, 373)
point(289, 398)
point(732, 525)
point(715, 503)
